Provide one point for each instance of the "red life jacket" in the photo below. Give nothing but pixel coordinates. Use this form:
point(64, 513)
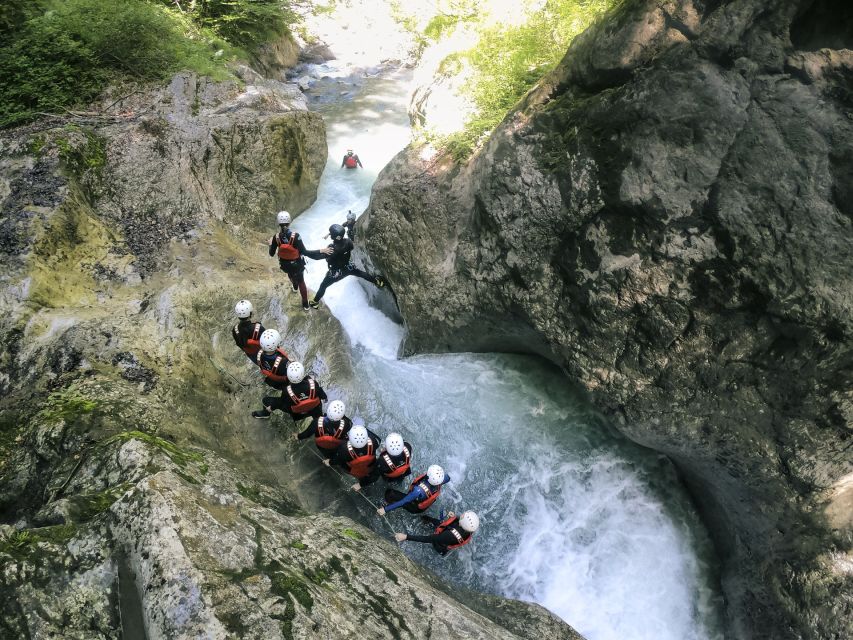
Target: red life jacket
point(253, 344)
point(326, 440)
point(431, 492)
point(306, 404)
point(397, 469)
point(270, 373)
point(287, 250)
point(360, 463)
point(462, 537)
point(350, 162)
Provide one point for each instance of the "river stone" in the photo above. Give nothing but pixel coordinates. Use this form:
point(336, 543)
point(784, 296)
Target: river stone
point(667, 217)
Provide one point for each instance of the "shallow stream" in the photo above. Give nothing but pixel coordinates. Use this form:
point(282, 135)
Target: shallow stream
point(574, 517)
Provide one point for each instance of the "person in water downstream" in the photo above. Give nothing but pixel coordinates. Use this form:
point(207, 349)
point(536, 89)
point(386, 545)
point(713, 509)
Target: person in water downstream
point(289, 247)
point(449, 534)
point(423, 491)
point(247, 332)
point(302, 396)
point(338, 256)
point(394, 463)
point(330, 431)
point(351, 161)
point(349, 225)
point(358, 454)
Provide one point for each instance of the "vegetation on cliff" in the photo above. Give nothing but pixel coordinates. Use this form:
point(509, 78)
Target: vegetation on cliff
point(55, 54)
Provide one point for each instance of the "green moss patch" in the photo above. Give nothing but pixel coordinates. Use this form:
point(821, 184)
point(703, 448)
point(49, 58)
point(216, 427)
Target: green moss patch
point(352, 533)
point(176, 454)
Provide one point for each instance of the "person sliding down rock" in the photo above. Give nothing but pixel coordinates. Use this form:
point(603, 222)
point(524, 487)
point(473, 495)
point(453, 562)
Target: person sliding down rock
point(247, 332)
point(450, 533)
point(330, 431)
point(272, 361)
point(338, 256)
point(288, 246)
point(423, 491)
point(394, 463)
point(358, 455)
point(351, 160)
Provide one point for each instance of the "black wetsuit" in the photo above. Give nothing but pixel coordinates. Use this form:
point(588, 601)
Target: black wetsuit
point(330, 428)
point(242, 331)
point(382, 467)
point(441, 541)
point(266, 361)
point(340, 265)
point(349, 225)
point(300, 390)
point(295, 269)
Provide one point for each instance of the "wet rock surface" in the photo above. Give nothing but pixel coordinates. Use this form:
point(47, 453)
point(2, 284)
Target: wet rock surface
point(666, 216)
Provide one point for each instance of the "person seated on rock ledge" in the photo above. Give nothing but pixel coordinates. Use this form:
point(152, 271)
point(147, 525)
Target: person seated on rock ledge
point(358, 455)
point(423, 491)
point(247, 332)
point(394, 463)
point(450, 533)
point(348, 225)
point(330, 431)
point(351, 160)
point(338, 256)
point(288, 246)
point(272, 361)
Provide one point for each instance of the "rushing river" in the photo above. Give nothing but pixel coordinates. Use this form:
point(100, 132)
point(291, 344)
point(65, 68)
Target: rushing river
point(574, 517)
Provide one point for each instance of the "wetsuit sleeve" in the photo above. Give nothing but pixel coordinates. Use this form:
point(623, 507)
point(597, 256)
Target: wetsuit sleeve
point(300, 246)
point(320, 392)
point(445, 538)
point(446, 478)
point(343, 162)
point(358, 160)
point(314, 254)
point(341, 457)
point(415, 494)
point(273, 246)
point(235, 333)
point(309, 431)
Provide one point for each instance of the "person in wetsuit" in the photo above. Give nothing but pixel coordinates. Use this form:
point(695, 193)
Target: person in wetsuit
point(330, 431)
point(289, 247)
point(338, 256)
point(357, 455)
point(351, 161)
point(423, 491)
point(394, 463)
point(247, 332)
point(272, 361)
point(449, 534)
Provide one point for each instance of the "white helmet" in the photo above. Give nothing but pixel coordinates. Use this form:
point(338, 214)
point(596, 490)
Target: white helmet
point(336, 410)
point(243, 309)
point(295, 372)
point(350, 216)
point(270, 339)
point(283, 217)
point(469, 521)
point(435, 475)
point(394, 444)
point(358, 437)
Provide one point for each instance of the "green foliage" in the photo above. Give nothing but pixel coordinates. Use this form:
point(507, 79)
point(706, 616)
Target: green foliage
point(67, 405)
point(176, 454)
point(508, 60)
point(57, 54)
point(352, 533)
point(24, 544)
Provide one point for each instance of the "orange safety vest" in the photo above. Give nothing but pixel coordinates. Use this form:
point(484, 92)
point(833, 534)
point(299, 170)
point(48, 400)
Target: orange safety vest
point(326, 440)
point(253, 344)
point(270, 373)
point(304, 405)
point(462, 537)
point(397, 470)
point(360, 463)
point(431, 492)
point(350, 162)
point(287, 250)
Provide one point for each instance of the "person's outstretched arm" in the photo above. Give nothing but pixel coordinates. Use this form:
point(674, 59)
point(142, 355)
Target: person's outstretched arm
point(273, 246)
point(415, 494)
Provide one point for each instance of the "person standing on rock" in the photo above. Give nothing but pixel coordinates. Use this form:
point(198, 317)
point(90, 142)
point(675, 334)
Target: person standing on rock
point(338, 256)
point(351, 161)
point(451, 533)
point(358, 454)
point(330, 431)
point(272, 361)
point(303, 397)
point(288, 246)
point(247, 332)
point(423, 491)
point(349, 226)
point(394, 463)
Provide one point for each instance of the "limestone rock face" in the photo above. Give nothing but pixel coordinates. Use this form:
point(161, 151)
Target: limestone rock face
point(667, 217)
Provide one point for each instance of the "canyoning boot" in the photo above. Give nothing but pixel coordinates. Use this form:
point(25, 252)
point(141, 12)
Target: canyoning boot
point(263, 414)
point(294, 287)
point(380, 282)
point(305, 306)
point(314, 304)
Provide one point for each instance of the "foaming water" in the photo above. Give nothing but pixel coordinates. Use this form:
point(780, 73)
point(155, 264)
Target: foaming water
point(573, 516)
